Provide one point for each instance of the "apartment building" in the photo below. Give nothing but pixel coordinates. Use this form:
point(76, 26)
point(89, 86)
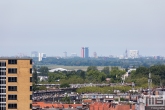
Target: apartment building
point(15, 83)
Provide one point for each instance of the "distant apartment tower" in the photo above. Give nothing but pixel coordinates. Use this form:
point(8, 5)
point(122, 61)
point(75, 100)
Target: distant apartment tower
point(41, 56)
point(15, 83)
point(34, 54)
point(82, 52)
point(65, 54)
point(94, 54)
point(86, 54)
point(133, 53)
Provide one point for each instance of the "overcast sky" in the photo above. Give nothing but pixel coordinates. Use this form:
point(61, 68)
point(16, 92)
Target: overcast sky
point(107, 27)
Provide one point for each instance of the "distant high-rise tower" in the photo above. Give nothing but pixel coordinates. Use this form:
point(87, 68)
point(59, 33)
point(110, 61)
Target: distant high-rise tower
point(41, 56)
point(82, 52)
point(86, 52)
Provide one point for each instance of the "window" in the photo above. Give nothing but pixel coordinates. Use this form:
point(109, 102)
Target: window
point(3, 108)
point(12, 106)
point(30, 88)
point(30, 79)
point(2, 77)
point(12, 61)
point(30, 106)
point(30, 70)
point(2, 69)
point(2, 63)
point(12, 97)
point(2, 99)
point(12, 88)
point(12, 70)
point(31, 62)
point(2, 73)
point(2, 90)
point(2, 86)
point(2, 81)
point(30, 97)
point(3, 95)
point(12, 79)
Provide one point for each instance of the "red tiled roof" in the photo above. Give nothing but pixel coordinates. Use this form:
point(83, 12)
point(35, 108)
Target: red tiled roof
point(48, 105)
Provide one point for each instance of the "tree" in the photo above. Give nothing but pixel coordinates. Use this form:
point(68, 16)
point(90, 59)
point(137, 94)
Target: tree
point(43, 71)
point(63, 85)
point(66, 99)
point(81, 73)
point(91, 68)
point(35, 76)
point(106, 70)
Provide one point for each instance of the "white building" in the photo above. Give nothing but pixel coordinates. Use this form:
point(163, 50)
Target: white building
point(41, 56)
point(133, 53)
point(58, 69)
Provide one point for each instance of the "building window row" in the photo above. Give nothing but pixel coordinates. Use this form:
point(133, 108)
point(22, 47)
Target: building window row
point(12, 88)
point(12, 70)
point(12, 79)
point(2, 77)
point(2, 87)
point(2, 69)
point(14, 106)
point(12, 61)
point(12, 97)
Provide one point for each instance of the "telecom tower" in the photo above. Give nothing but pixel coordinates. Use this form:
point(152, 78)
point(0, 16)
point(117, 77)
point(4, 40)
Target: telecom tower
point(149, 84)
point(65, 54)
point(126, 53)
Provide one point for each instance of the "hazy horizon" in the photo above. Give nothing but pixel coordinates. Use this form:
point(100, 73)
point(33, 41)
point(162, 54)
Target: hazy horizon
point(106, 27)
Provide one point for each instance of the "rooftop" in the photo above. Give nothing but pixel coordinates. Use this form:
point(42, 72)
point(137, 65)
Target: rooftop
point(18, 58)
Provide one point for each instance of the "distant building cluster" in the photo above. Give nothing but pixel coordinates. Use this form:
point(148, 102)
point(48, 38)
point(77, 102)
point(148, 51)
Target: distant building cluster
point(84, 53)
point(40, 56)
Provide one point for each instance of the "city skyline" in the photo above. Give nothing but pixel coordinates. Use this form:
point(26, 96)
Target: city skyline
point(106, 27)
point(36, 53)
